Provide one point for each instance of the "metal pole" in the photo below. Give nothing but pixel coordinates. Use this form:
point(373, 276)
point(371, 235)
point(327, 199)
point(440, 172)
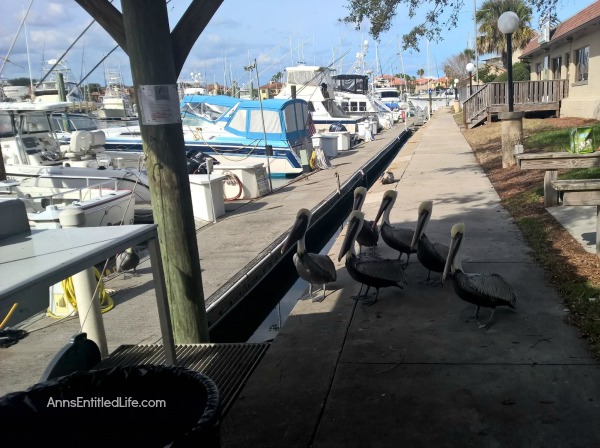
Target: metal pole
point(510, 73)
point(475, 40)
point(262, 115)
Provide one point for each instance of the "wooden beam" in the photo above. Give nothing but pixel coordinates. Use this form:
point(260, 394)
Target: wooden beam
point(108, 17)
point(146, 25)
point(189, 28)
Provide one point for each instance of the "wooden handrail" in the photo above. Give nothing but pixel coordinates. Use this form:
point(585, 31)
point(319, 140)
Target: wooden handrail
point(525, 92)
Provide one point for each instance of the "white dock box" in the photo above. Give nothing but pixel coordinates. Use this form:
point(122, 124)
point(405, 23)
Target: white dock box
point(202, 201)
point(343, 139)
point(253, 179)
point(327, 143)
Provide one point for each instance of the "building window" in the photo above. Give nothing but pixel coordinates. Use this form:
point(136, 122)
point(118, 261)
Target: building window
point(538, 71)
point(556, 66)
point(568, 64)
point(582, 58)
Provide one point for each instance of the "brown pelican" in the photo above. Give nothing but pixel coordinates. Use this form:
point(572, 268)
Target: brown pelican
point(373, 272)
point(314, 268)
point(369, 233)
point(127, 261)
point(430, 254)
point(396, 237)
point(482, 290)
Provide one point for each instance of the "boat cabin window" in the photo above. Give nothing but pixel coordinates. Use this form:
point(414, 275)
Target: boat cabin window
point(74, 123)
point(294, 117)
point(238, 122)
point(32, 123)
point(6, 129)
point(272, 121)
point(388, 94)
point(196, 112)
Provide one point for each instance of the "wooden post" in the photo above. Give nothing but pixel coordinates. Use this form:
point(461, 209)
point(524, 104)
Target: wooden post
point(150, 52)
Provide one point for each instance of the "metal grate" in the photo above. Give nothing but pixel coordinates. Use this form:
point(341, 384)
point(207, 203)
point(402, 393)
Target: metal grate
point(228, 365)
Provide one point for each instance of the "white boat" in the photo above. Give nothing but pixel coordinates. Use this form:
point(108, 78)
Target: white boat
point(101, 202)
point(231, 131)
point(352, 95)
point(47, 91)
point(31, 149)
point(315, 85)
point(116, 104)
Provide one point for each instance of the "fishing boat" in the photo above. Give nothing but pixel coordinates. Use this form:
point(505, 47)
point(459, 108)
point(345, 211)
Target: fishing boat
point(315, 85)
point(234, 131)
point(31, 149)
point(101, 202)
point(352, 95)
point(116, 104)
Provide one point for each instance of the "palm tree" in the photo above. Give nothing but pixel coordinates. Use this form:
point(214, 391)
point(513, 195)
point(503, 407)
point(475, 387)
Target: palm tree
point(490, 39)
point(420, 73)
point(277, 77)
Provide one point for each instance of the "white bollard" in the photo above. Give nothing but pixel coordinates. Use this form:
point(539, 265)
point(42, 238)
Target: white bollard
point(84, 284)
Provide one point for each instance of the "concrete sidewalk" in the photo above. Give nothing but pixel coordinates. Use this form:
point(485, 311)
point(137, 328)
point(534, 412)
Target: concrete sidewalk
point(411, 370)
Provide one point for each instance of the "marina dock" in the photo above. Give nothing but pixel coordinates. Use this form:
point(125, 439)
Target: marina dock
point(410, 370)
point(227, 249)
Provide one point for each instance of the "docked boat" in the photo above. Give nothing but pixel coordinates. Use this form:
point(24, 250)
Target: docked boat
point(116, 104)
point(352, 95)
point(315, 85)
point(31, 149)
point(101, 202)
point(231, 131)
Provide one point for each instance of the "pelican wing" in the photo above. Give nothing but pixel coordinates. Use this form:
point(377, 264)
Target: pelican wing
point(385, 269)
point(315, 268)
point(492, 287)
point(403, 234)
point(441, 249)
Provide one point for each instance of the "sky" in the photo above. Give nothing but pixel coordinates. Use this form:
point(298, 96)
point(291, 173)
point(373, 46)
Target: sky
point(275, 33)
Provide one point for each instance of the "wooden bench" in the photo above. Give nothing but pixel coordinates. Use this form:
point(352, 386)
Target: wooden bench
point(552, 162)
point(581, 192)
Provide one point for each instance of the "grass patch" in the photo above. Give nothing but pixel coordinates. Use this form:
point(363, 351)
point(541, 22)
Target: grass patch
point(554, 140)
point(581, 173)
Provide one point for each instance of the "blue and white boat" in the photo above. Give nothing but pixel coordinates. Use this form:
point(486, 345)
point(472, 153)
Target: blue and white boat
point(231, 131)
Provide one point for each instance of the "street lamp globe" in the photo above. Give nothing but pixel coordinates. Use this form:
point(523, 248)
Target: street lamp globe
point(508, 22)
point(470, 67)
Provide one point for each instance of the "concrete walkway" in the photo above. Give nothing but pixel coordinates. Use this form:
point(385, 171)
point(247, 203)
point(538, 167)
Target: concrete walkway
point(412, 370)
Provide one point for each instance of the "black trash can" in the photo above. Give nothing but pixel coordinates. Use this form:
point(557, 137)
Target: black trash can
point(337, 127)
point(146, 406)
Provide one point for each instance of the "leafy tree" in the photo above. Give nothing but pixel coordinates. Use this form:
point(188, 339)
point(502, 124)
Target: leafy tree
point(485, 74)
point(277, 77)
point(94, 87)
point(440, 16)
point(491, 39)
point(20, 81)
point(520, 73)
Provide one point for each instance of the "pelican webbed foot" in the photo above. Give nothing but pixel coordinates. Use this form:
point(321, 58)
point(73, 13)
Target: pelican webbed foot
point(488, 324)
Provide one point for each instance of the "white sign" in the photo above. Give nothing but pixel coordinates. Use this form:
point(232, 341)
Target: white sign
point(159, 104)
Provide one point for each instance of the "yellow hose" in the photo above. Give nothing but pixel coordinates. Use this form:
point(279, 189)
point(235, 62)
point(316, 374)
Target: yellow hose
point(12, 310)
point(106, 301)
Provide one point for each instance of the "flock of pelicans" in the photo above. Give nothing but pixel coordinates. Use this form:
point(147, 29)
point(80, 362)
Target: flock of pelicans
point(482, 290)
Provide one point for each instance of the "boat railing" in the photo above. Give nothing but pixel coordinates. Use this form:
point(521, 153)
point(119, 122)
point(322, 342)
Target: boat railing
point(94, 187)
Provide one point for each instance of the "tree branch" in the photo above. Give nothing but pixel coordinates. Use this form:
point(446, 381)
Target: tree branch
point(108, 17)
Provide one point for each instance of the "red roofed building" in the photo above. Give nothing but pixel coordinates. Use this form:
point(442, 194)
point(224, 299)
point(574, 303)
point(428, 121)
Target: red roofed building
point(571, 51)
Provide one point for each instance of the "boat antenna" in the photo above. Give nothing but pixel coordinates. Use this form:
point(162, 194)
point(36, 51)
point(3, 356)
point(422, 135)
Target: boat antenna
point(6, 59)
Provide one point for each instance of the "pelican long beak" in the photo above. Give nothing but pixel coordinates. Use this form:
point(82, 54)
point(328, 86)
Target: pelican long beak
point(453, 250)
point(359, 200)
point(352, 230)
point(385, 203)
point(297, 232)
point(420, 229)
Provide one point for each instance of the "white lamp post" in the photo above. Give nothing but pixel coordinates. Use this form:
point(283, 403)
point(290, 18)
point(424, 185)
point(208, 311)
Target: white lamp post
point(456, 88)
point(508, 23)
point(470, 68)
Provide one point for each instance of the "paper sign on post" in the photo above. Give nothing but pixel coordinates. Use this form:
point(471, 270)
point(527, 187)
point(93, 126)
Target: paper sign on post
point(159, 104)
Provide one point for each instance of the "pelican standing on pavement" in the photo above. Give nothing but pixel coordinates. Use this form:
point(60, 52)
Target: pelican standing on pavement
point(373, 272)
point(482, 290)
point(369, 233)
point(314, 268)
point(431, 255)
point(397, 238)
